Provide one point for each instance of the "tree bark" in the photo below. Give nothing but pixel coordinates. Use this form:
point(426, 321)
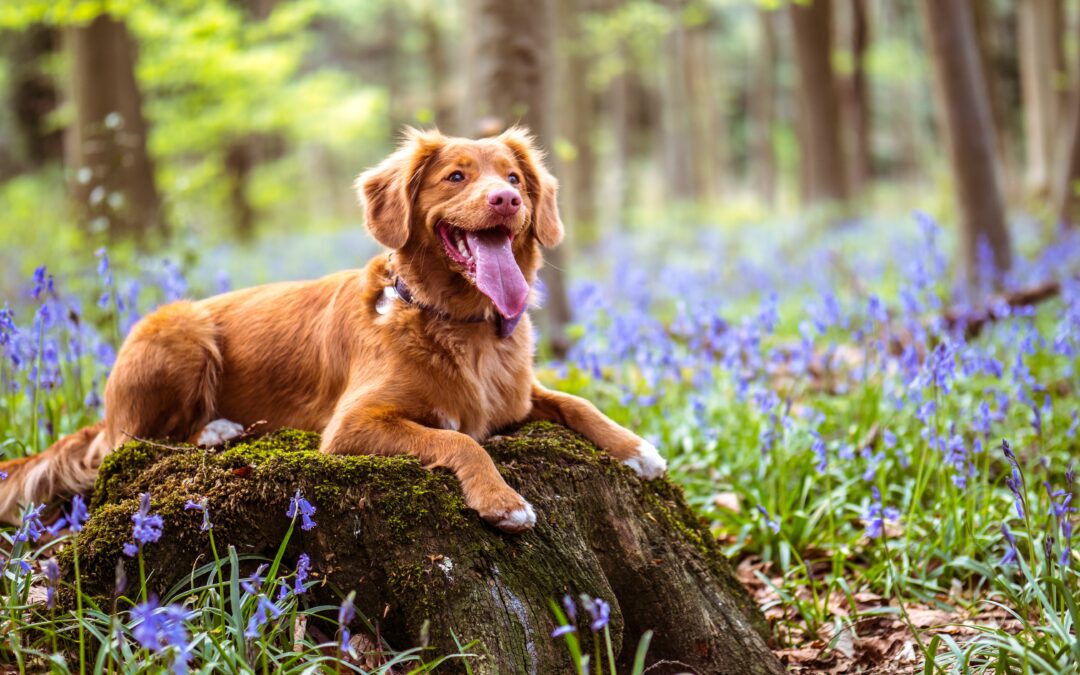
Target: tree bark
point(763, 106)
point(858, 114)
point(402, 538)
point(576, 101)
point(509, 82)
point(1038, 65)
point(1067, 177)
point(964, 110)
point(438, 73)
point(822, 156)
point(112, 173)
point(31, 96)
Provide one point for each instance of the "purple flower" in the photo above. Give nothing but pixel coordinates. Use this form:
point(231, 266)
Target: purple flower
point(876, 515)
point(160, 629)
point(599, 612)
point(818, 448)
point(200, 506)
point(1015, 481)
point(253, 584)
point(346, 613)
point(264, 612)
point(74, 520)
point(1010, 556)
point(52, 574)
point(303, 566)
point(773, 525)
point(301, 506)
point(32, 528)
point(146, 529)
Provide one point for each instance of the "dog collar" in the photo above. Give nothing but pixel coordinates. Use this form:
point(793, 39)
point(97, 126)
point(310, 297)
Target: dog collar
point(503, 327)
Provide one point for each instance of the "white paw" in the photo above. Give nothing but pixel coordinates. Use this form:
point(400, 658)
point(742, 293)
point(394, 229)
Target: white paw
point(648, 464)
point(217, 432)
point(518, 520)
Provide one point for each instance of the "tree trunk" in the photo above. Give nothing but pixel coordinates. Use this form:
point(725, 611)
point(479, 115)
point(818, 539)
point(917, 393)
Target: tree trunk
point(435, 52)
point(576, 100)
point(763, 106)
point(1038, 69)
point(964, 110)
point(402, 538)
point(31, 96)
point(822, 155)
point(1067, 176)
point(112, 174)
point(858, 114)
point(988, 27)
point(509, 82)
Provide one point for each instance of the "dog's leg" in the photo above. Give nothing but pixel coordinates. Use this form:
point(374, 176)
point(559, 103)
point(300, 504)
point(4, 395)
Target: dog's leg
point(583, 417)
point(366, 430)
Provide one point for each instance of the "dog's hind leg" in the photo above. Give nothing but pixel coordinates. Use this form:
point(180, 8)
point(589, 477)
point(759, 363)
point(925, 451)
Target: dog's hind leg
point(163, 385)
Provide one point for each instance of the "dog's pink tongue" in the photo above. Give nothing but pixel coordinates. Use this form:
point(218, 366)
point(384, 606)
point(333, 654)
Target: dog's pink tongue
point(497, 273)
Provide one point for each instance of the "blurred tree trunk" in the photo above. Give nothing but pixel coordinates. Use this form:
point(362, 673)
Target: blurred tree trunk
point(509, 82)
point(987, 28)
point(435, 52)
point(822, 155)
point(112, 174)
point(577, 164)
point(1040, 61)
point(31, 96)
point(964, 109)
point(857, 99)
point(763, 106)
point(687, 108)
point(1067, 177)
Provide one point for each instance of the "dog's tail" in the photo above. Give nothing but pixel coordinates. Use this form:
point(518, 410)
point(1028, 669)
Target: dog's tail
point(69, 466)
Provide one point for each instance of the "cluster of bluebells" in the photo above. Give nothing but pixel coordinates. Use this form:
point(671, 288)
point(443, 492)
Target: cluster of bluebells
point(298, 506)
point(925, 351)
point(162, 629)
point(597, 610)
point(146, 528)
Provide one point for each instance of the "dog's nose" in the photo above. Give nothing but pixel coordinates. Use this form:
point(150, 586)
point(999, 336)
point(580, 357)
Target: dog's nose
point(505, 201)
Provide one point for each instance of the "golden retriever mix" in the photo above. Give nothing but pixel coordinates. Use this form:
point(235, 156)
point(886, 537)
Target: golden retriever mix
point(425, 352)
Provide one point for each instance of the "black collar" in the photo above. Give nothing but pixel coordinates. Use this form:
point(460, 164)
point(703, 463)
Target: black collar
point(504, 328)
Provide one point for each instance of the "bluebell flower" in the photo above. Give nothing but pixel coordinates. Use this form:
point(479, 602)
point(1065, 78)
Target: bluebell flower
point(52, 575)
point(73, 520)
point(146, 529)
point(31, 528)
point(253, 584)
point(877, 514)
point(162, 629)
point(1011, 555)
point(301, 506)
point(303, 567)
point(599, 612)
point(773, 525)
point(200, 505)
point(818, 448)
point(264, 611)
point(346, 613)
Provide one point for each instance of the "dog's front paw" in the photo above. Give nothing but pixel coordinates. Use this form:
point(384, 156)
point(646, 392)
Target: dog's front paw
point(509, 512)
point(648, 463)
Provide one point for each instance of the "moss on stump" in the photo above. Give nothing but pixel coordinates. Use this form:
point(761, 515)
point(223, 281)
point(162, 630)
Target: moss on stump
point(402, 537)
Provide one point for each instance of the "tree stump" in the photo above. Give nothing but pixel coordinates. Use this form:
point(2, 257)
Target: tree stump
point(402, 538)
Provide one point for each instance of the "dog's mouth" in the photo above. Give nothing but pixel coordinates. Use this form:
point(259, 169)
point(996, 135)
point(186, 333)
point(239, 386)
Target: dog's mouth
point(487, 258)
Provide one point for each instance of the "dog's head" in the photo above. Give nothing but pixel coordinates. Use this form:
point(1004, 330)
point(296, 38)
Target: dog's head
point(465, 217)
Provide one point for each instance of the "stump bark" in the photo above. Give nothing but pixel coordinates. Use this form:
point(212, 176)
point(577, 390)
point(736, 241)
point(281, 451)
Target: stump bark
point(402, 538)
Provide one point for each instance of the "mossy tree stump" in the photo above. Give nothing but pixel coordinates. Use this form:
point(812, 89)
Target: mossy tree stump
point(402, 538)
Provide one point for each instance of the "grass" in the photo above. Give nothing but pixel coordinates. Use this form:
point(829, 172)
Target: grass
point(827, 391)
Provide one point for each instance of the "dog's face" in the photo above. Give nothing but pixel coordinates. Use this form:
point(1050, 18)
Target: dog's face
point(467, 215)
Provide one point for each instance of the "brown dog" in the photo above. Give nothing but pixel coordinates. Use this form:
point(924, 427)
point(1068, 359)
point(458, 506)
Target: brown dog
point(424, 352)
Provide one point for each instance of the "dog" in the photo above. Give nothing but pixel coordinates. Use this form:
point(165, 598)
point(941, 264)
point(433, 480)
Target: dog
point(425, 352)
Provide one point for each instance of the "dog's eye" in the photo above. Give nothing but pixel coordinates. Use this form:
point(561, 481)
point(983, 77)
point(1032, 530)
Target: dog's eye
point(456, 177)
point(513, 179)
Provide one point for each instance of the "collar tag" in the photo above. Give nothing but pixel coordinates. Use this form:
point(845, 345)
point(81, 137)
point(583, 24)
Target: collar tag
point(386, 300)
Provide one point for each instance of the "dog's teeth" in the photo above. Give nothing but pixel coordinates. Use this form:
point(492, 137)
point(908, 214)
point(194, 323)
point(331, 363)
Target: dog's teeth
point(461, 248)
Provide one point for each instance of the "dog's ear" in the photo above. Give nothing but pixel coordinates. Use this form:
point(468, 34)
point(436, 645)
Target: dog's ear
point(541, 186)
point(388, 191)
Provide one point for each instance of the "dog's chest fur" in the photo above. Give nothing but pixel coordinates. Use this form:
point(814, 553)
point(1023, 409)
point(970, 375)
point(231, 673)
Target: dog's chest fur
point(479, 383)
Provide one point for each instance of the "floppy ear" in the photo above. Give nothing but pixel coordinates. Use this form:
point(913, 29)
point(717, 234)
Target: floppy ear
point(541, 186)
point(389, 190)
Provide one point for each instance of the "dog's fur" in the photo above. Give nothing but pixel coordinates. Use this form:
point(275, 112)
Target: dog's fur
point(369, 371)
